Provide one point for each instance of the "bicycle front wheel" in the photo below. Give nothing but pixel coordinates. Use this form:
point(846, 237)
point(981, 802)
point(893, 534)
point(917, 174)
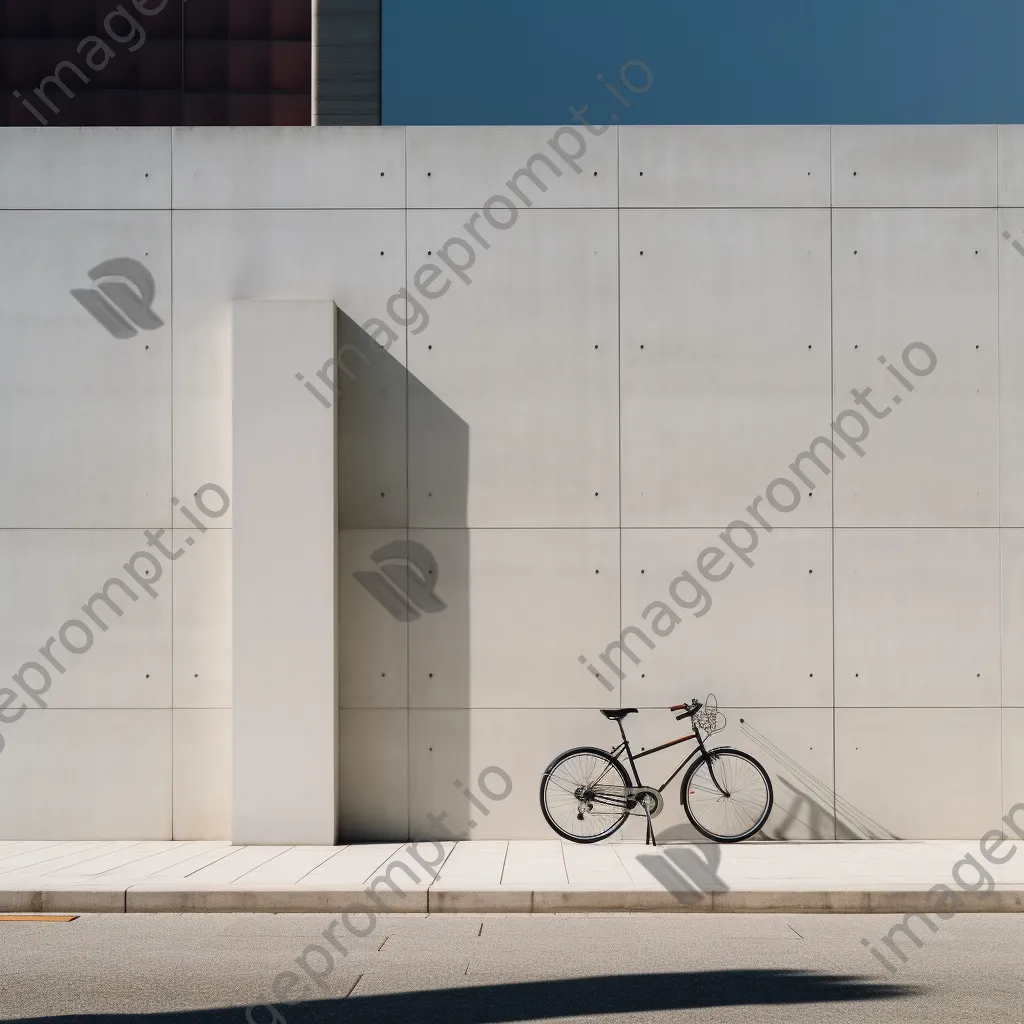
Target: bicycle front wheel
point(585, 795)
point(727, 795)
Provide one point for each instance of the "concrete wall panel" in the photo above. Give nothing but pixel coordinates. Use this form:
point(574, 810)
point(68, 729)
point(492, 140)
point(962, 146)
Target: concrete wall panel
point(221, 256)
point(459, 166)
point(373, 774)
point(373, 633)
point(795, 746)
point(913, 277)
point(1011, 354)
point(48, 575)
point(85, 416)
point(724, 165)
point(1013, 766)
point(917, 618)
point(923, 773)
point(202, 773)
point(751, 648)
point(448, 746)
point(289, 168)
point(914, 165)
point(1012, 556)
point(539, 397)
point(87, 774)
point(522, 605)
point(201, 627)
point(725, 360)
point(1011, 164)
point(85, 169)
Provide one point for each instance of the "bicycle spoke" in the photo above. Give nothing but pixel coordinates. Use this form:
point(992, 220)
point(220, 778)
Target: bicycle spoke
point(741, 809)
point(580, 799)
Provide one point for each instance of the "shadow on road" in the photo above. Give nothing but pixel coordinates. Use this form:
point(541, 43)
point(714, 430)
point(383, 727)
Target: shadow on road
point(542, 1000)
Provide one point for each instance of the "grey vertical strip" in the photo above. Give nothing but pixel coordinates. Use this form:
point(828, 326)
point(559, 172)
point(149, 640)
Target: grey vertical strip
point(169, 510)
point(347, 59)
point(618, 303)
point(408, 512)
point(999, 474)
point(832, 406)
point(314, 62)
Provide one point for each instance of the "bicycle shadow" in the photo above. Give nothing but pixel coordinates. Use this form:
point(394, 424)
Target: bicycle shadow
point(690, 872)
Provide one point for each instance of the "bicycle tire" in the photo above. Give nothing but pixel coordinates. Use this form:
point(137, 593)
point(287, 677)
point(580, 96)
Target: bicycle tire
point(686, 792)
point(601, 757)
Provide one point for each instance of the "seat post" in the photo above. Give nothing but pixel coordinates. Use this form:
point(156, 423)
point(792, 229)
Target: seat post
point(629, 754)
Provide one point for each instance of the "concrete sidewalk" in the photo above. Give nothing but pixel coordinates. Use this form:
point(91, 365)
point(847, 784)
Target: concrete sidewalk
point(546, 876)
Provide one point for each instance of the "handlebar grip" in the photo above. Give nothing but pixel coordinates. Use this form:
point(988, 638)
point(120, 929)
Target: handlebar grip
point(687, 710)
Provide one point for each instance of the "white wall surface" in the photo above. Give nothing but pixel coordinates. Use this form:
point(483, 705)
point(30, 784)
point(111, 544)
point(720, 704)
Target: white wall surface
point(284, 579)
point(578, 423)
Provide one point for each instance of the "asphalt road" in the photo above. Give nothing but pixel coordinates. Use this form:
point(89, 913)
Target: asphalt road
point(474, 969)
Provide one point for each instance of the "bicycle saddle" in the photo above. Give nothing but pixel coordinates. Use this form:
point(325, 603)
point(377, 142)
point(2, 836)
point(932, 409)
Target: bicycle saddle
point(617, 714)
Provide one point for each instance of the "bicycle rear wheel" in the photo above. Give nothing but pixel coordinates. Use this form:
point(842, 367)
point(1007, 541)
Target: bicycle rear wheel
point(584, 795)
point(741, 810)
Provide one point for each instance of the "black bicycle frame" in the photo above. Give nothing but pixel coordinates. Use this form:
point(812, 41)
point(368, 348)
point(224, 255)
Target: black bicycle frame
point(700, 749)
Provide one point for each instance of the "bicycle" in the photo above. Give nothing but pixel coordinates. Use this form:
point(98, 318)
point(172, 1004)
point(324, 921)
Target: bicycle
point(726, 793)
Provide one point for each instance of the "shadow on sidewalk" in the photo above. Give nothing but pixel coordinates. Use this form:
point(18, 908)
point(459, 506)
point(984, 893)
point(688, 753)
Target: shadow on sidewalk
point(543, 1000)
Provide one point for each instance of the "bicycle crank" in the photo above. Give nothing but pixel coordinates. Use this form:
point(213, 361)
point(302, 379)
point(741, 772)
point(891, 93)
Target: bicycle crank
point(650, 800)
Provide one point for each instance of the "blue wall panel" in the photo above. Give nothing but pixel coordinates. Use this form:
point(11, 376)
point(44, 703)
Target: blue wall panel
point(714, 61)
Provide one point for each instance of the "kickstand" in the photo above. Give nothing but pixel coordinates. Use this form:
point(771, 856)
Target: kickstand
point(649, 838)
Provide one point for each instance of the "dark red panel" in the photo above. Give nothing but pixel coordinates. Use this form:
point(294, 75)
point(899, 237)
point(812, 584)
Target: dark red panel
point(291, 20)
point(161, 108)
point(206, 19)
point(208, 108)
point(160, 66)
point(250, 108)
point(200, 62)
point(206, 65)
point(249, 19)
point(165, 25)
point(249, 67)
point(290, 67)
point(291, 109)
point(24, 18)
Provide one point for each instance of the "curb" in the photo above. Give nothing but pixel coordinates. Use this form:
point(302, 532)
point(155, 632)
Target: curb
point(49, 901)
point(153, 900)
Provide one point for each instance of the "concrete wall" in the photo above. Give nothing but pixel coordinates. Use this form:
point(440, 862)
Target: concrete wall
point(638, 353)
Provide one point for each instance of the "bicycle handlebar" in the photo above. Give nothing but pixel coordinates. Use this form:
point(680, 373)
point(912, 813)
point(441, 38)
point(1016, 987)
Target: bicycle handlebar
point(688, 710)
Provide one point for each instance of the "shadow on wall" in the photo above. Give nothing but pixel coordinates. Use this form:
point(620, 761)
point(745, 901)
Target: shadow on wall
point(806, 804)
point(404, 601)
point(543, 1000)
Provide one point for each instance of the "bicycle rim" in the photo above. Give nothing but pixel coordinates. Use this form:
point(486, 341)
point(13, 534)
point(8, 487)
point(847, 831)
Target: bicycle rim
point(740, 813)
point(583, 795)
